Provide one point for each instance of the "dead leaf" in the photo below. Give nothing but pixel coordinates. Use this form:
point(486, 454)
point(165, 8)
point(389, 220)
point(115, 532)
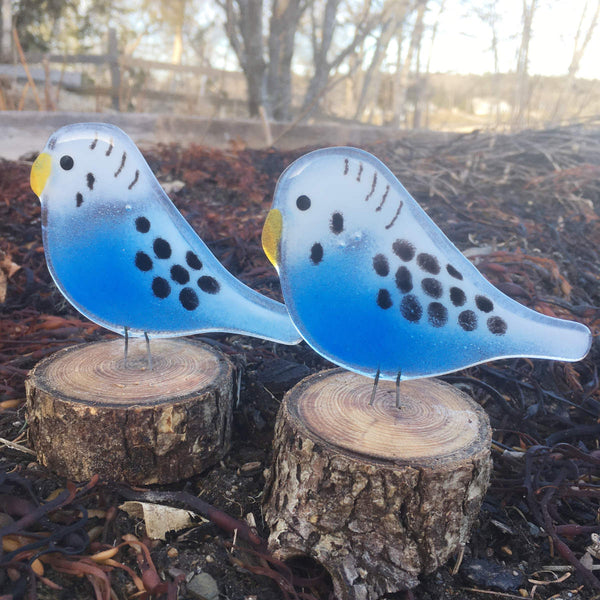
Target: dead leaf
point(159, 519)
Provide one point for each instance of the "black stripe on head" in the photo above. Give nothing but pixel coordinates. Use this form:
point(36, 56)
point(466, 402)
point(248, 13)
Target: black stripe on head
point(93, 144)
point(135, 179)
point(123, 159)
point(52, 143)
point(111, 145)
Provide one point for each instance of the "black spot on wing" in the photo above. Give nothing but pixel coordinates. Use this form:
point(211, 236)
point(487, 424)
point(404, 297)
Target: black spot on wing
point(162, 248)
point(497, 325)
point(380, 264)
point(209, 284)
point(316, 253)
point(437, 314)
point(432, 287)
point(457, 296)
point(160, 287)
point(79, 199)
point(404, 249)
point(468, 320)
point(337, 223)
point(90, 180)
point(411, 308)
point(193, 261)
point(428, 263)
point(143, 262)
point(188, 298)
point(179, 274)
point(484, 304)
point(453, 272)
point(142, 225)
point(384, 300)
point(404, 280)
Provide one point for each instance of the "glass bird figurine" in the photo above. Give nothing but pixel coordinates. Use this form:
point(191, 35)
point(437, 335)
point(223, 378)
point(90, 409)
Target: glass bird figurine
point(374, 286)
point(123, 255)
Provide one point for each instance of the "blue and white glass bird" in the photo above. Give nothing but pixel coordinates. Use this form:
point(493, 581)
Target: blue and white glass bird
point(373, 285)
point(123, 255)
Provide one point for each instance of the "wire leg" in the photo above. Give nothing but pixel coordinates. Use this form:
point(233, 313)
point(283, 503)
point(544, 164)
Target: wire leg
point(398, 389)
point(148, 353)
point(126, 349)
point(375, 387)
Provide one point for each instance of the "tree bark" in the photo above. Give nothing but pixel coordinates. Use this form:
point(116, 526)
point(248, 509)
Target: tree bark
point(403, 68)
point(244, 30)
point(285, 16)
point(90, 412)
point(522, 91)
point(376, 494)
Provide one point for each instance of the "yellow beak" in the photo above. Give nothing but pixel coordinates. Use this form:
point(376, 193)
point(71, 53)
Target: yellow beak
point(271, 236)
point(40, 171)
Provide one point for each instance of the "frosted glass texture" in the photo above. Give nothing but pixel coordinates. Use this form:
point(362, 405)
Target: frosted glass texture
point(123, 255)
point(373, 284)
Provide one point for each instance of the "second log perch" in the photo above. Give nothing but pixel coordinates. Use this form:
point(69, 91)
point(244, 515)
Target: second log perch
point(91, 413)
point(375, 494)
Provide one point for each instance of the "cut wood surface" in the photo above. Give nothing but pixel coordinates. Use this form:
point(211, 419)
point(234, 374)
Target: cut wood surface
point(376, 494)
point(91, 412)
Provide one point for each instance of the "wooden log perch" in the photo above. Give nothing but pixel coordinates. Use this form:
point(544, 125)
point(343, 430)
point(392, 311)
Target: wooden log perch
point(89, 412)
point(375, 494)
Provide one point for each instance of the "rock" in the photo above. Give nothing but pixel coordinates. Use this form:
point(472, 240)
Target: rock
point(490, 574)
point(203, 587)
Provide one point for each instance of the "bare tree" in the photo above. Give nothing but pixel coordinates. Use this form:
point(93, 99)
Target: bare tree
point(579, 48)
point(244, 29)
point(322, 33)
point(285, 17)
point(422, 87)
point(392, 17)
point(403, 66)
point(488, 13)
point(522, 88)
point(6, 19)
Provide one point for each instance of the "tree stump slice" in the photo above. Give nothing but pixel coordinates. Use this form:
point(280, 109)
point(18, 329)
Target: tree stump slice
point(89, 413)
point(375, 494)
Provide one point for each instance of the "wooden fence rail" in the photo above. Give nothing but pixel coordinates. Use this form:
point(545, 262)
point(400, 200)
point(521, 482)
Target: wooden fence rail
point(115, 63)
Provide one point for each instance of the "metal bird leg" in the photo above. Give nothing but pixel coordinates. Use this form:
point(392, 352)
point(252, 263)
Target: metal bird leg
point(398, 389)
point(374, 387)
point(148, 353)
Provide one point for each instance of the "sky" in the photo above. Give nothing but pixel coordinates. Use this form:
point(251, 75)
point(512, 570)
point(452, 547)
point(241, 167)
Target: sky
point(463, 41)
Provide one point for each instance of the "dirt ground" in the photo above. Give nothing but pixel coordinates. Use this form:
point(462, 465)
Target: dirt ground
point(524, 208)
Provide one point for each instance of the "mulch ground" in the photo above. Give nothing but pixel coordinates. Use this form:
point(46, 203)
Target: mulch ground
point(525, 209)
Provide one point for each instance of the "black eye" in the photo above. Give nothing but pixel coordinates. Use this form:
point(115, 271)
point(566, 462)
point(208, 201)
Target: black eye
point(303, 202)
point(66, 162)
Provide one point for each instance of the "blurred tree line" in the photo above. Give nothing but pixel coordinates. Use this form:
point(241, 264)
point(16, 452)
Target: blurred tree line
point(381, 49)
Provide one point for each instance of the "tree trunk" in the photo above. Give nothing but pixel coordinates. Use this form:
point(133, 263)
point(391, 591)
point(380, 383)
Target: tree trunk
point(376, 494)
point(522, 91)
point(89, 412)
point(403, 68)
point(285, 15)
point(395, 12)
point(578, 52)
point(6, 40)
point(244, 30)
